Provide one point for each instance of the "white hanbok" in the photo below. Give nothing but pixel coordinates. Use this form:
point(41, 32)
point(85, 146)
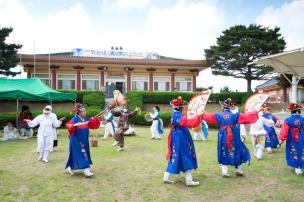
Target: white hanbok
point(110, 127)
point(155, 130)
point(257, 133)
point(10, 133)
point(45, 137)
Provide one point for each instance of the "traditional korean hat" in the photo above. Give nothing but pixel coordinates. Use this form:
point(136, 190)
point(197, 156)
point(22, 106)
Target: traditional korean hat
point(47, 109)
point(294, 106)
point(179, 102)
point(78, 108)
point(227, 104)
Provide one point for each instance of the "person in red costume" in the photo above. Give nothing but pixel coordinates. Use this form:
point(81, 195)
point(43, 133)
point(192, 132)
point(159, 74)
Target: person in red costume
point(79, 149)
point(230, 149)
point(181, 154)
point(292, 131)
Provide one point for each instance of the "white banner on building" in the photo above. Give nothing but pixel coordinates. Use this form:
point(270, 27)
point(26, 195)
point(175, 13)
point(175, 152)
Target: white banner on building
point(114, 54)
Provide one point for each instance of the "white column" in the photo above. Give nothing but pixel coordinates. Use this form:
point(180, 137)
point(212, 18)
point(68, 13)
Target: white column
point(294, 84)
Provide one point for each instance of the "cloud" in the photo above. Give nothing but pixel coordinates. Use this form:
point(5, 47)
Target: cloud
point(127, 4)
point(184, 29)
point(289, 17)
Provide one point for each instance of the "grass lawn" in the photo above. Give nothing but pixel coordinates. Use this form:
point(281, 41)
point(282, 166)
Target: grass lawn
point(136, 174)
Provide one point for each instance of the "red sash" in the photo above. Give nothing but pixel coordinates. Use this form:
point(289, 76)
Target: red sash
point(229, 135)
point(295, 134)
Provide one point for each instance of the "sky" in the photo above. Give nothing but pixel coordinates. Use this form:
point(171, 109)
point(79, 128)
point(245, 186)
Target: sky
point(174, 28)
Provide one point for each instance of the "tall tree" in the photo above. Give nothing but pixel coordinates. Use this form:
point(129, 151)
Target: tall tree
point(8, 53)
point(240, 45)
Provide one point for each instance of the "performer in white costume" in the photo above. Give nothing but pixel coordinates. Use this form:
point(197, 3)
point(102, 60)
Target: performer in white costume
point(110, 126)
point(45, 136)
point(157, 129)
point(10, 132)
point(257, 133)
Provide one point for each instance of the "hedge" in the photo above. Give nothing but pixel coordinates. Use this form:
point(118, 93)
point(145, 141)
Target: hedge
point(165, 116)
point(11, 116)
point(139, 98)
point(89, 98)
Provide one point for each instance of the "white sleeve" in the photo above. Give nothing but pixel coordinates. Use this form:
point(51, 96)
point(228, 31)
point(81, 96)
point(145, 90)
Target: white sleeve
point(108, 116)
point(268, 122)
point(56, 122)
point(5, 130)
point(33, 123)
point(153, 116)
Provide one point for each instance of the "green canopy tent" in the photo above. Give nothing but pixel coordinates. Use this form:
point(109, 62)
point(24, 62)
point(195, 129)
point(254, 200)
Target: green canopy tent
point(30, 90)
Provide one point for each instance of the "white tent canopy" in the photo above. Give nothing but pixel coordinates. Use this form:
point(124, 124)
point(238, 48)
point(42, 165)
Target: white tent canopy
point(288, 62)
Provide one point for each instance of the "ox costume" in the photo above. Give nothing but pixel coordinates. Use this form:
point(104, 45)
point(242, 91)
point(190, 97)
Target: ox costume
point(122, 126)
point(110, 126)
point(231, 150)
point(181, 154)
point(79, 150)
point(271, 138)
point(292, 131)
point(45, 137)
point(157, 128)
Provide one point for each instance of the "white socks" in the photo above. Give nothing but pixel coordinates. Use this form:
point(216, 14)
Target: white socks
point(87, 172)
point(298, 171)
point(225, 173)
point(259, 151)
point(225, 170)
point(268, 149)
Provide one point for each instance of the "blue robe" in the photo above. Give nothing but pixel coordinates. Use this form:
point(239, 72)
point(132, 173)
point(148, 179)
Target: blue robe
point(160, 127)
point(79, 157)
point(183, 156)
point(230, 149)
point(295, 141)
point(271, 138)
point(204, 129)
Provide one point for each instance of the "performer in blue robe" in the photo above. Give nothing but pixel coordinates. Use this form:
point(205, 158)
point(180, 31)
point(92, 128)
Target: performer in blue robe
point(181, 154)
point(79, 150)
point(271, 138)
point(231, 150)
point(293, 132)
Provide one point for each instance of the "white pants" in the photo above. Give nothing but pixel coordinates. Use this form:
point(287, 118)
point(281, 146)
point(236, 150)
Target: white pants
point(258, 142)
point(225, 169)
point(109, 130)
point(45, 143)
point(188, 176)
point(154, 129)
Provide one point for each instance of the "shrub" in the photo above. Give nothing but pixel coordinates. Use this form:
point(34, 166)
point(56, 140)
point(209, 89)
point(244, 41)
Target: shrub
point(81, 94)
point(135, 99)
point(94, 99)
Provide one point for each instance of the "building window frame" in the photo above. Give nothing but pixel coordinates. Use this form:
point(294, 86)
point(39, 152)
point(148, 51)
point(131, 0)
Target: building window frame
point(184, 80)
point(81, 80)
point(48, 78)
point(144, 80)
point(59, 79)
point(167, 80)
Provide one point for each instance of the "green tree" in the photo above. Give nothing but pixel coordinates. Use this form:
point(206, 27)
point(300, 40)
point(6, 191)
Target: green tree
point(238, 46)
point(8, 53)
point(225, 89)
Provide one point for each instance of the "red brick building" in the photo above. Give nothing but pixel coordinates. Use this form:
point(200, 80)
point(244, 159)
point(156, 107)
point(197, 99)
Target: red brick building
point(112, 70)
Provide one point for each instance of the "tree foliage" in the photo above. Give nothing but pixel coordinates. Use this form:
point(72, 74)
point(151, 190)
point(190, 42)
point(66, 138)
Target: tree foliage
point(240, 45)
point(8, 53)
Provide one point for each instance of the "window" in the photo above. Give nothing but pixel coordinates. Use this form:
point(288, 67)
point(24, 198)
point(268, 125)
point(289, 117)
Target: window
point(162, 83)
point(140, 83)
point(90, 82)
point(183, 83)
point(66, 81)
point(45, 78)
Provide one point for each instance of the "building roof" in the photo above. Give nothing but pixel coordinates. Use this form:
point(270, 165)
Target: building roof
point(268, 84)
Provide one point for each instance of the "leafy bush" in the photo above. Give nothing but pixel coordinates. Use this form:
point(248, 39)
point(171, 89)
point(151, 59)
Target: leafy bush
point(81, 94)
point(135, 99)
point(94, 99)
